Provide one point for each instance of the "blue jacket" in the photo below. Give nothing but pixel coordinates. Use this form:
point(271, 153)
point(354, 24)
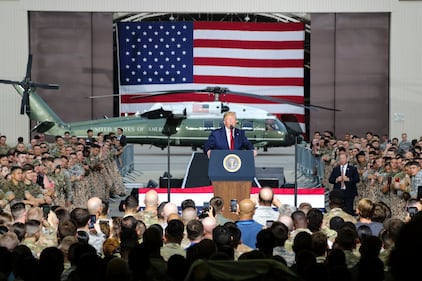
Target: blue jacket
point(218, 140)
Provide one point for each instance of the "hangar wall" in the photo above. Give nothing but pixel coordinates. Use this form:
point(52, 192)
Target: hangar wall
point(405, 44)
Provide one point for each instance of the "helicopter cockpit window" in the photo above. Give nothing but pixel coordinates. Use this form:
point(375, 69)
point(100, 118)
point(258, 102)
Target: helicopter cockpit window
point(208, 125)
point(247, 125)
point(270, 125)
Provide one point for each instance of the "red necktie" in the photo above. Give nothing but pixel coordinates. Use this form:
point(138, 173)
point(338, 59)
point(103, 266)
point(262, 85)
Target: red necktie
point(231, 140)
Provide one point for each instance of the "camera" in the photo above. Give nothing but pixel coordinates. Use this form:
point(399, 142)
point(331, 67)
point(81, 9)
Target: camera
point(46, 210)
point(92, 221)
point(205, 206)
point(412, 211)
point(233, 205)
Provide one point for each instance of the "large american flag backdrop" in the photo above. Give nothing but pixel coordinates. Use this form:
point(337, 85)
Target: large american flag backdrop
point(258, 58)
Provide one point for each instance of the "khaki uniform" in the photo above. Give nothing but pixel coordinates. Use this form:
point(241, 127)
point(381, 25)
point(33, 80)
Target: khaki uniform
point(18, 190)
point(61, 188)
point(55, 150)
point(4, 149)
point(33, 245)
point(34, 189)
point(336, 212)
point(117, 186)
point(327, 158)
point(148, 217)
point(96, 182)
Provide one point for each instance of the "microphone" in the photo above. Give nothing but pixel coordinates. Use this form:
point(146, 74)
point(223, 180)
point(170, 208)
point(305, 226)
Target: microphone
point(231, 127)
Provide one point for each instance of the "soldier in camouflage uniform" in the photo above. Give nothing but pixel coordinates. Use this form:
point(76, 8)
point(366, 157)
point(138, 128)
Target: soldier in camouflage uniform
point(4, 148)
point(33, 191)
point(415, 176)
point(336, 203)
point(399, 190)
point(327, 162)
point(106, 173)
point(32, 234)
point(56, 184)
point(117, 186)
point(94, 178)
point(61, 165)
point(57, 147)
point(361, 165)
point(149, 214)
point(15, 188)
point(78, 181)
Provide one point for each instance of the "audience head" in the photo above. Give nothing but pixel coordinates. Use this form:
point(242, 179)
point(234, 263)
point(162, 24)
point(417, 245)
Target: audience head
point(305, 207)
point(287, 221)
point(336, 198)
point(169, 208)
point(80, 216)
point(314, 217)
point(265, 196)
point(174, 231)
point(217, 203)
point(365, 208)
point(151, 199)
point(246, 209)
point(194, 230)
point(299, 219)
point(209, 224)
point(94, 206)
point(336, 222)
point(221, 236)
point(280, 232)
point(286, 210)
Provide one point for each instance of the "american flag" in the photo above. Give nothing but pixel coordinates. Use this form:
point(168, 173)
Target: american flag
point(258, 58)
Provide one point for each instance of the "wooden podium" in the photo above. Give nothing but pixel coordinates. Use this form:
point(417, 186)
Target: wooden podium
point(231, 173)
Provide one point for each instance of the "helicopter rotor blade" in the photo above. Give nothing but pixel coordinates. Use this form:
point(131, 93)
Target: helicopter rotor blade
point(25, 102)
point(10, 82)
point(165, 93)
point(281, 100)
point(226, 91)
point(102, 96)
point(28, 68)
point(44, 86)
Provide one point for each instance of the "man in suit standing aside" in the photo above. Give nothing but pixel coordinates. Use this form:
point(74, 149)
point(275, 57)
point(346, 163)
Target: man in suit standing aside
point(344, 177)
point(121, 137)
point(228, 137)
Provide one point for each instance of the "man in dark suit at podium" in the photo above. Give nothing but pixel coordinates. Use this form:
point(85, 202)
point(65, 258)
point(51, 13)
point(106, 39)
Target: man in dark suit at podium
point(228, 137)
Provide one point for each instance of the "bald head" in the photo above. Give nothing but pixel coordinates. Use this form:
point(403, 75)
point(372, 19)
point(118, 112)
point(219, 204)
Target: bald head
point(151, 199)
point(266, 196)
point(246, 209)
point(169, 208)
point(188, 215)
point(209, 224)
point(287, 221)
point(94, 205)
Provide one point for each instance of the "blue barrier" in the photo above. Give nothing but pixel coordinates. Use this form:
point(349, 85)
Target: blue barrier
point(308, 165)
point(126, 164)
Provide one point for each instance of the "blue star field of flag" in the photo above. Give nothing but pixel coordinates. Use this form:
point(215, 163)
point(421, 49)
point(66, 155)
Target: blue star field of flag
point(155, 52)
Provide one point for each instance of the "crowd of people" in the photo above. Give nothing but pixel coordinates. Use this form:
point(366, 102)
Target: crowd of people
point(55, 224)
point(66, 172)
point(389, 170)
